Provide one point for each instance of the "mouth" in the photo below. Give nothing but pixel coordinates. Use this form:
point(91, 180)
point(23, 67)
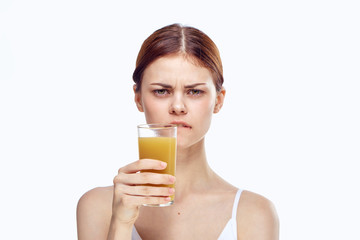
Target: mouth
point(181, 124)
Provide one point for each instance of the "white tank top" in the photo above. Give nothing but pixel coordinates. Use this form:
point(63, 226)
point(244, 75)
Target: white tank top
point(228, 233)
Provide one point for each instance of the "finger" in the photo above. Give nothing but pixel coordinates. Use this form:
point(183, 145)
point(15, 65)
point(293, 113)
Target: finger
point(143, 164)
point(144, 178)
point(133, 201)
point(146, 190)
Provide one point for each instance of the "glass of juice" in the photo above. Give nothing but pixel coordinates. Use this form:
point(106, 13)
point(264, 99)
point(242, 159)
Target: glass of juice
point(158, 141)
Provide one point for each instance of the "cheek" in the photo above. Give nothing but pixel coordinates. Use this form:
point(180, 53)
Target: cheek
point(203, 114)
point(206, 107)
point(154, 110)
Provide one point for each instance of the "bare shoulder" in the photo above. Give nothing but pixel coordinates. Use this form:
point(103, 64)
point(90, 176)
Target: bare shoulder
point(94, 213)
point(256, 217)
point(98, 197)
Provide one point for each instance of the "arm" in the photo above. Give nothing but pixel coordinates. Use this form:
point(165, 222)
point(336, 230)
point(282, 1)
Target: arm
point(110, 214)
point(256, 218)
point(94, 213)
point(95, 220)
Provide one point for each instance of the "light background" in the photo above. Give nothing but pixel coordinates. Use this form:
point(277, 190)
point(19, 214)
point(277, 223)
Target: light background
point(289, 128)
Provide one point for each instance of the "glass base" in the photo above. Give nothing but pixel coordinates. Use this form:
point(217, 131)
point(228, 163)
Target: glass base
point(159, 205)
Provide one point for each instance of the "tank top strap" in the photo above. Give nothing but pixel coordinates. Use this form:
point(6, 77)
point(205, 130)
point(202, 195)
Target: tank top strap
point(236, 203)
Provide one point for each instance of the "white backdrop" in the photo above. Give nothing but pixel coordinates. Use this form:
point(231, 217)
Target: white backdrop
point(289, 128)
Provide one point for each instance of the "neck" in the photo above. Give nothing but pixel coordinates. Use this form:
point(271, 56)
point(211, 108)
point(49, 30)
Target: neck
point(193, 172)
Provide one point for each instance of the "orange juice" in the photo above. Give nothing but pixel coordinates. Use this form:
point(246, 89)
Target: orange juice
point(159, 148)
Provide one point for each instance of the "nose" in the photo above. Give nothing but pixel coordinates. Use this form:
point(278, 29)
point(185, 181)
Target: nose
point(178, 106)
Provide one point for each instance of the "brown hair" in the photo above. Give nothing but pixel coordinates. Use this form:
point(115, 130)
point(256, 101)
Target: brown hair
point(174, 39)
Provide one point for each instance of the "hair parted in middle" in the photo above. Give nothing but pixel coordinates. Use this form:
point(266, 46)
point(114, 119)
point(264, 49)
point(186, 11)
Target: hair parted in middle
point(178, 39)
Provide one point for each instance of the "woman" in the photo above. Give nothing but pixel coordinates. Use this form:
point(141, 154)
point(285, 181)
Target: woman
point(178, 79)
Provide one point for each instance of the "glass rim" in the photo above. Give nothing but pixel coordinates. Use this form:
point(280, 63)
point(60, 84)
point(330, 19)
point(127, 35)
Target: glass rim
point(157, 126)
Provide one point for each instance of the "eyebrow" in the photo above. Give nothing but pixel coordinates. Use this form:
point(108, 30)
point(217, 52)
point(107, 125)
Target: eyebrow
point(186, 86)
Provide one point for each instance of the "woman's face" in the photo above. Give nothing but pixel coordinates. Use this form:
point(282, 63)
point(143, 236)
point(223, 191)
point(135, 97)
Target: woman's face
point(176, 91)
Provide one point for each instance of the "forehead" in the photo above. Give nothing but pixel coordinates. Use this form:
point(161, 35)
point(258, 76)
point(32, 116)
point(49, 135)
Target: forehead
point(177, 68)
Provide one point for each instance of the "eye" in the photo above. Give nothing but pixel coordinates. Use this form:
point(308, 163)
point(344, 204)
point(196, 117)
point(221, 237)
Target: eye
point(195, 92)
point(161, 92)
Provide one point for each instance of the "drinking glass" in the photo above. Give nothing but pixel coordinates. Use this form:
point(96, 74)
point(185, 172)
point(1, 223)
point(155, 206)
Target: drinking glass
point(158, 141)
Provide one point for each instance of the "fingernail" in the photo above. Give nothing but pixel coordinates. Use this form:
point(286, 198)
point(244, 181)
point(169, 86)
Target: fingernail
point(172, 178)
point(163, 164)
point(171, 190)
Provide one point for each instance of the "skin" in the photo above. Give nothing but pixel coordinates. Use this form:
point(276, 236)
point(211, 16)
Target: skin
point(175, 89)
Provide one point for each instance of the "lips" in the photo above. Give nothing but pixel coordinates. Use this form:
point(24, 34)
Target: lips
point(181, 124)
